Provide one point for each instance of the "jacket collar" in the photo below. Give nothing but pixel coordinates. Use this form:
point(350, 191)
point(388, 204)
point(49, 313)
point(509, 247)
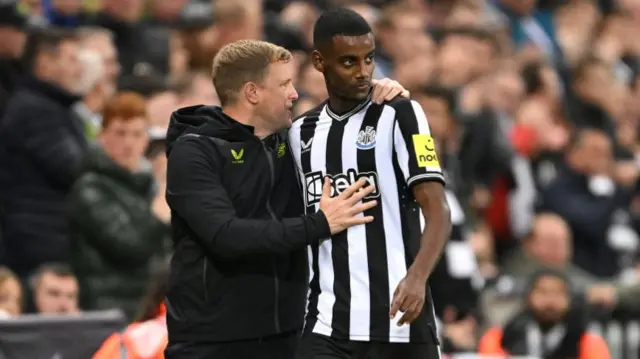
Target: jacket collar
point(52, 91)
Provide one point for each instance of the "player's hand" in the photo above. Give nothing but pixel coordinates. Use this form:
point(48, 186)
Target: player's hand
point(386, 90)
point(409, 299)
point(343, 211)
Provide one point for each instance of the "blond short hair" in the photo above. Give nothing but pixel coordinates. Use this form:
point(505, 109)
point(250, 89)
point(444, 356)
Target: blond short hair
point(241, 62)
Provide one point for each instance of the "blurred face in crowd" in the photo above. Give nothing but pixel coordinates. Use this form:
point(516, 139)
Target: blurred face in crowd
point(592, 154)
point(56, 294)
point(67, 7)
point(13, 41)
point(202, 91)
point(11, 296)
point(400, 40)
point(167, 9)
point(595, 83)
point(312, 83)
point(347, 65)
point(61, 66)
point(125, 140)
point(105, 47)
point(507, 91)
point(437, 111)
point(160, 106)
point(237, 20)
point(549, 300)
point(455, 61)
point(466, 13)
point(127, 10)
point(521, 7)
point(550, 242)
point(277, 94)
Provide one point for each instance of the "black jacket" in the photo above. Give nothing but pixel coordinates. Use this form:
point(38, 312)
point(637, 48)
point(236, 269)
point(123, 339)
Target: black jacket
point(118, 243)
point(41, 145)
point(239, 270)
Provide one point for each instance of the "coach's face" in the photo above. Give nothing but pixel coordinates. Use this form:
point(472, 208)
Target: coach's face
point(347, 64)
point(277, 95)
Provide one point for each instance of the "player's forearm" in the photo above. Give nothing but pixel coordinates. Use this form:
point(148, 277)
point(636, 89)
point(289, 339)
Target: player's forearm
point(433, 239)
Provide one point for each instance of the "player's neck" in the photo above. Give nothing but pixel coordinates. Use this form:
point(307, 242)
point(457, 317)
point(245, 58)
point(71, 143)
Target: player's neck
point(246, 117)
point(340, 105)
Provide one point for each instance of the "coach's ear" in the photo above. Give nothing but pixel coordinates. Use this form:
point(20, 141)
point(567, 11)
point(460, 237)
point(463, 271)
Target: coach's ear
point(318, 62)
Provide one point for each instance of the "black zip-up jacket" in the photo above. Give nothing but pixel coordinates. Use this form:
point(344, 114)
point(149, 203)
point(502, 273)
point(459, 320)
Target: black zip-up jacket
point(239, 270)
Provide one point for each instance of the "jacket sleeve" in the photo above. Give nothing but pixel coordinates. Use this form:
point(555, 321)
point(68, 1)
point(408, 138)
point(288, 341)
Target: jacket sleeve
point(56, 152)
point(115, 231)
point(196, 194)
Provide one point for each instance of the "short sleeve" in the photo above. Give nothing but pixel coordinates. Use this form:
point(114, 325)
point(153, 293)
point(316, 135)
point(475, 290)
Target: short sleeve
point(413, 144)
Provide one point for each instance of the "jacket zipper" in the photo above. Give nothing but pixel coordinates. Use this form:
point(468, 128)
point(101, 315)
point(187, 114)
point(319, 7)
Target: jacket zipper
point(276, 282)
point(204, 280)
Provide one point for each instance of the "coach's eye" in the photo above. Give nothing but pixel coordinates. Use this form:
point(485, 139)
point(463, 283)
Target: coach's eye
point(347, 63)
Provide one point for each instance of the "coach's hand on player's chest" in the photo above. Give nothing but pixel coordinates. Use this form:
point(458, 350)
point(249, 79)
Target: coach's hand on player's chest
point(343, 211)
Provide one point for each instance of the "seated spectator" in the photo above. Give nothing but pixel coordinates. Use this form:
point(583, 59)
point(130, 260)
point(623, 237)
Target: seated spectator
point(584, 193)
point(41, 146)
point(55, 289)
point(94, 91)
point(550, 326)
point(118, 238)
point(547, 246)
point(146, 338)
point(196, 89)
point(10, 294)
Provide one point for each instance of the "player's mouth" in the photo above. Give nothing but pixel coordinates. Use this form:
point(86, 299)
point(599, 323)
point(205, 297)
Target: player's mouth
point(364, 86)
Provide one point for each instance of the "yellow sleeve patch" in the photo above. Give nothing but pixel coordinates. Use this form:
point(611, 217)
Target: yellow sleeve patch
point(425, 151)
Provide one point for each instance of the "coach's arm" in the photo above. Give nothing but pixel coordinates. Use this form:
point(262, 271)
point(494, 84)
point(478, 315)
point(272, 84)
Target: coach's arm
point(196, 195)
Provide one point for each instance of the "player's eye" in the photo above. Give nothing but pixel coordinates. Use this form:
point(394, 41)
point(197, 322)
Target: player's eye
point(347, 63)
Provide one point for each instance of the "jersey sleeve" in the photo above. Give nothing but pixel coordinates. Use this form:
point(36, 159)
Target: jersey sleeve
point(413, 144)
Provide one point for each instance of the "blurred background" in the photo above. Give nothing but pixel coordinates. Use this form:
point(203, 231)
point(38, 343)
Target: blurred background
point(534, 106)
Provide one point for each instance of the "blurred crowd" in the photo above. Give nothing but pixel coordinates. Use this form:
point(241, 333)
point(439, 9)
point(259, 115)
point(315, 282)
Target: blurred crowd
point(533, 105)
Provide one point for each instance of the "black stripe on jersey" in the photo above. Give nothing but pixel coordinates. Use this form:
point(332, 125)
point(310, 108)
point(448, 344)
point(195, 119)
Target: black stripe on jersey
point(376, 240)
point(307, 131)
point(339, 245)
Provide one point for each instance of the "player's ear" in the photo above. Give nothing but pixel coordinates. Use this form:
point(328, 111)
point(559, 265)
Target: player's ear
point(317, 60)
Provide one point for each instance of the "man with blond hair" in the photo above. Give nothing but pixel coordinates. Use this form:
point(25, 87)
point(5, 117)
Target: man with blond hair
point(239, 272)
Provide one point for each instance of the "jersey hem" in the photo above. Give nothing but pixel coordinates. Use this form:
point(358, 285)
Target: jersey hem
point(385, 339)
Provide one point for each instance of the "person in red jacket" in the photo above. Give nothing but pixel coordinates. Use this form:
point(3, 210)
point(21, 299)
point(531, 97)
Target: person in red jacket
point(551, 326)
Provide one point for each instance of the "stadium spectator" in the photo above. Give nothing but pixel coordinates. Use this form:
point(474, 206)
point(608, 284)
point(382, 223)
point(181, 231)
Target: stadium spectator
point(94, 90)
point(118, 239)
point(585, 195)
point(101, 40)
point(55, 289)
point(41, 145)
point(10, 294)
point(146, 337)
point(12, 25)
point(551, 325)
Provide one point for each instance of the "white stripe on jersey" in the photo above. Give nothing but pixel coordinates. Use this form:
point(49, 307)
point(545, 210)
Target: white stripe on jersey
point(397, 266)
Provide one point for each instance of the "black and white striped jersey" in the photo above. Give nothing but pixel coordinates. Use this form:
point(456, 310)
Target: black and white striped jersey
point(354, 274)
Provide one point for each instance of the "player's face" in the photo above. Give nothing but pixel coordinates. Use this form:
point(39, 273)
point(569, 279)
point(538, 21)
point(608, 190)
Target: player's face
point(277, 95)
point(348, 66)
